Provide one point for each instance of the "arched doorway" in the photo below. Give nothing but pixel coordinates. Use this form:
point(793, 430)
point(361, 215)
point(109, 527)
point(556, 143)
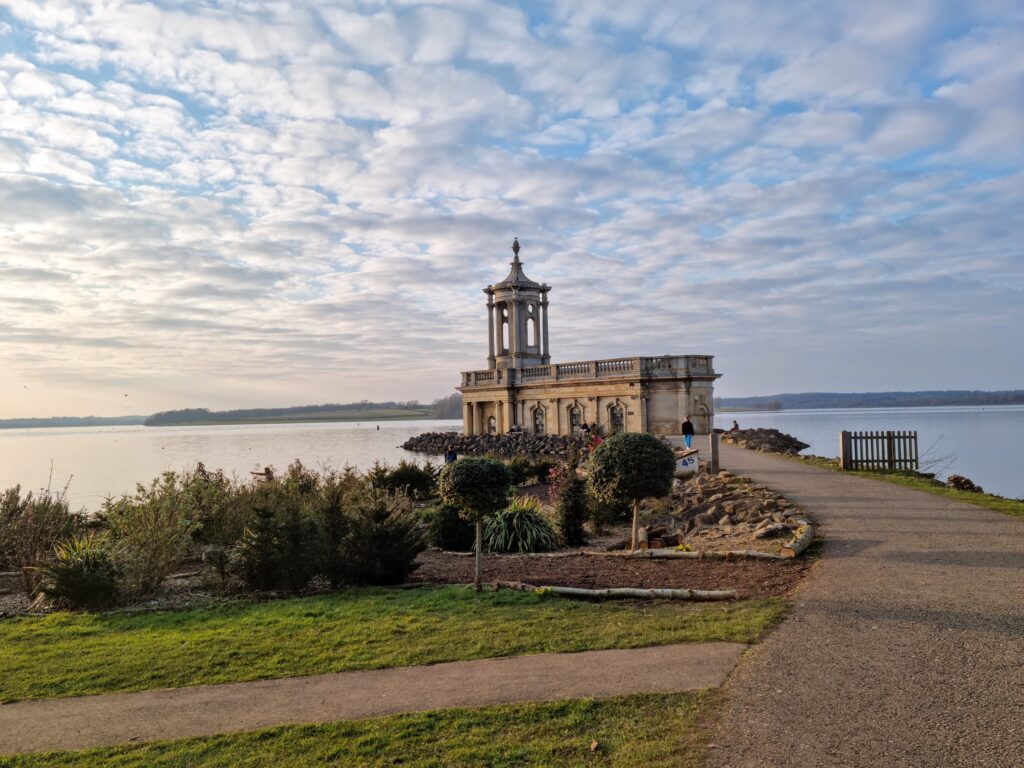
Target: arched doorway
point(538, 420)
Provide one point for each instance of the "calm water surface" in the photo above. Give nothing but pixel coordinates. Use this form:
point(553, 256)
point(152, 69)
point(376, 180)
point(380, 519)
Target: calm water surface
point(979, 441)
point(104, 461)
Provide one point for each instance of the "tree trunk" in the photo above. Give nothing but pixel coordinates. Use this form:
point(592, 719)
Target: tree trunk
point(636, 524)
point(479, 554)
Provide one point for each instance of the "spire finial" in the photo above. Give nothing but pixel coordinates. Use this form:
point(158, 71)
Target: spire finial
point(515, 248)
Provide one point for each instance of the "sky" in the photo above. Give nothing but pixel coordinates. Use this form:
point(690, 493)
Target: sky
point(240, 204)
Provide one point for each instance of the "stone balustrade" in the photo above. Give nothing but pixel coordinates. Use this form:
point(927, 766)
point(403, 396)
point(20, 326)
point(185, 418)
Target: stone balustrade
point(668, 366)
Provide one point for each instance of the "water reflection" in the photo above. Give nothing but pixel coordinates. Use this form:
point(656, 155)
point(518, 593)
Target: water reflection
point(104, 461)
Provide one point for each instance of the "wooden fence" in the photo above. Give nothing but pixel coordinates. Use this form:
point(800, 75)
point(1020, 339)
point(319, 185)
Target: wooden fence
point(878, 450)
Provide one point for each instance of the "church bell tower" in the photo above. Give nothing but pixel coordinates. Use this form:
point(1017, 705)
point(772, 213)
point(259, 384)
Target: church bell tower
point(517, 319)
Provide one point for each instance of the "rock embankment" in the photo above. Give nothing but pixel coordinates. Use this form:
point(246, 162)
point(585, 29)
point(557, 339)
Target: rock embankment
point(494, 445)
point(765, 440)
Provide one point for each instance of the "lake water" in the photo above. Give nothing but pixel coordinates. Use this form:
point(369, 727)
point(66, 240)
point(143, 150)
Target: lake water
point(104, 461)
point(979, 442)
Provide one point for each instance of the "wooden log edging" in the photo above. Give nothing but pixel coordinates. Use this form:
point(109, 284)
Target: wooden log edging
point(801, 541)
point(612, 593)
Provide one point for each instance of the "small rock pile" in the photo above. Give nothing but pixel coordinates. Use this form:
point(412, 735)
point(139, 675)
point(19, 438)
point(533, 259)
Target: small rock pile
point(962, 483)
point(723, 512)
point(765, 440)
point(521, 444)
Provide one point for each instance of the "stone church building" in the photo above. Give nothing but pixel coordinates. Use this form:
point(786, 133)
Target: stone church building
point(522, 388)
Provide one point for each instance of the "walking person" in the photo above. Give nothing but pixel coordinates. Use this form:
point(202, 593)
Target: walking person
point(688, 431)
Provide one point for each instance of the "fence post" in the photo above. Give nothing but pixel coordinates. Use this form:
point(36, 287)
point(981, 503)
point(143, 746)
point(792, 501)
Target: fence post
point(714, 452)
point(845, 450)
point(890, 448)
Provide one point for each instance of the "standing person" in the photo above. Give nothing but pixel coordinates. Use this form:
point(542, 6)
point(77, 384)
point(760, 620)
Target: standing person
point(688, 431)
point(449, 455)
point(585, 428)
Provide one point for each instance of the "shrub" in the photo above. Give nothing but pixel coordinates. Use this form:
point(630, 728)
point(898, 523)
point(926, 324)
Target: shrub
point(522, 469)
point(410, 478)
point(448, 529)
point(572, 505)
point(30, 528)
point(331, 510)
point(149, 533)
point(633, 466)
point(384, 538)
point(543, 469)
point(520, 527)
point(257, 555)
point(81, 575)
point(479, 488)
point(220, 507)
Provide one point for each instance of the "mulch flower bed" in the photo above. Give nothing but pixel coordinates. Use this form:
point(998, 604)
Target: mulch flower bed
point(751, 578)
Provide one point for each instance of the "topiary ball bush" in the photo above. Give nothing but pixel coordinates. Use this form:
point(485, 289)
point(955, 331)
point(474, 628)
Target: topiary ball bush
point(632, 466)
point(478, 487)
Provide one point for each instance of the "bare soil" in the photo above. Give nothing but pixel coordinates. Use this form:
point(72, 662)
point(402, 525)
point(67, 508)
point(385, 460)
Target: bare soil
point(751, 578)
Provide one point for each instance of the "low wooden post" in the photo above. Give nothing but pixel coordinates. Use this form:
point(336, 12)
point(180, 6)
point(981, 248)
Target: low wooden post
point(845, 450)
point(713, 453)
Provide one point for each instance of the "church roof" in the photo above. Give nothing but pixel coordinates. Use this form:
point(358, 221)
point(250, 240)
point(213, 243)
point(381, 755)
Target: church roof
point(516, 278)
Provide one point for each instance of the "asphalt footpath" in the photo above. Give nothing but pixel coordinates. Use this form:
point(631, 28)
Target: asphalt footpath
point(906, 643)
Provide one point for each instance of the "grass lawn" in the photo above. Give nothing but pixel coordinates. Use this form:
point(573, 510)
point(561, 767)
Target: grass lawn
point(648, 730)
point(68, 654)
point(1013, 507)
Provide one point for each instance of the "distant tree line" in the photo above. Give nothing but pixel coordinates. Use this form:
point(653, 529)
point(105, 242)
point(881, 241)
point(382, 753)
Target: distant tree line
point(812, 400)
point(71, 421)
point(443, 408)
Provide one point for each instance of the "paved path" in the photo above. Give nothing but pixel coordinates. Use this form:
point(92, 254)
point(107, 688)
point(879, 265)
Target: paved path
point(89, 721)
point(906, 644)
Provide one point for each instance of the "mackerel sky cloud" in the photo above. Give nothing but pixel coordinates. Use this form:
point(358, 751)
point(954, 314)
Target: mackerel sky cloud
point(240, 203)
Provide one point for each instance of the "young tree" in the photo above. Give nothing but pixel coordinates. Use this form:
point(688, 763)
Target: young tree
point(479, 488)
point(632, 466)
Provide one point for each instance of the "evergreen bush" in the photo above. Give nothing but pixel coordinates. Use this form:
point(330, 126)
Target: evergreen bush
point(384, 538)
point(572, 505)
point(448, 529)
point(257, 555)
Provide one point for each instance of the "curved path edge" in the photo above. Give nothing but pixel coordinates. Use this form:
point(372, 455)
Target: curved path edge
point(91, 721)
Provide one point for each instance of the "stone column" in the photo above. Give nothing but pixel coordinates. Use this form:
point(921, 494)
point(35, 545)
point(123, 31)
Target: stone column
point(467, 418)
point(490, 331)
point(513, 332)
point(545, 353)
point(479, 427)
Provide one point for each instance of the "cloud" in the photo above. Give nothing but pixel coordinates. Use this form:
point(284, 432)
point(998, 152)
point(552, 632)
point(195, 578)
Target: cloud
point(279, 203)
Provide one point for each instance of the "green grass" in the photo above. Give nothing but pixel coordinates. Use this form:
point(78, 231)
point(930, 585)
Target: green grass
point(1013, 507)
point(643, 730)
point(66, 654)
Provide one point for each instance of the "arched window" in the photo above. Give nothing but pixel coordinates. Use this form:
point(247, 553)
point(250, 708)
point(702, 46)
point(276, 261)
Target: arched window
point(616, 418)
point(575, 417)
point(538, 420)
point(531, 325)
